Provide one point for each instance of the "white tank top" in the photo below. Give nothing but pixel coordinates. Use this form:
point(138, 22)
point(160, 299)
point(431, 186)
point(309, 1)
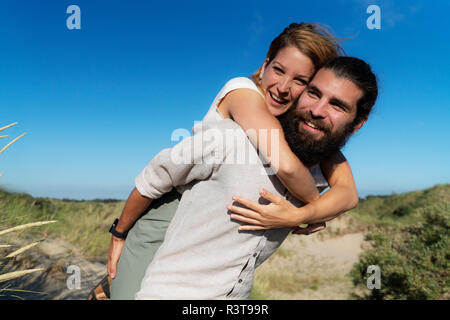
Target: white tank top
point(213, 115)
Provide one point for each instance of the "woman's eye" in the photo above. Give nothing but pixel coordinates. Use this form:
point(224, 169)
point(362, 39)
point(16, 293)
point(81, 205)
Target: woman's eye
point(278, 69)
point(301, 82)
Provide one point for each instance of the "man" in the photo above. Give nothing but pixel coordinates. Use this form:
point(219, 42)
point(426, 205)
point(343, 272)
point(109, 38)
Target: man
point(203, 255)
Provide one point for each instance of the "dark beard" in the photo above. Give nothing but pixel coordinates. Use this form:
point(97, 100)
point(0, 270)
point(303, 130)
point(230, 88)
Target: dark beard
point(309, 150)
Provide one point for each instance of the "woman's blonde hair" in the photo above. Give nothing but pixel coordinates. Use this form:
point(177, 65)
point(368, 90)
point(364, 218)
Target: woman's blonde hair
point(311, 39)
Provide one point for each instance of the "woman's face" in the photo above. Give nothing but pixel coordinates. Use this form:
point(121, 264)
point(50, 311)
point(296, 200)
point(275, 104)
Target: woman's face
point(285, 78)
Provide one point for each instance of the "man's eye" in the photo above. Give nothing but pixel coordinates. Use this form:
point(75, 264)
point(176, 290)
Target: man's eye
point(337, 106)
point(313, 93)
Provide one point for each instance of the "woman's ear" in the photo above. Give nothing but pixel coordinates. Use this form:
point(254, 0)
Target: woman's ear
point(263, 68)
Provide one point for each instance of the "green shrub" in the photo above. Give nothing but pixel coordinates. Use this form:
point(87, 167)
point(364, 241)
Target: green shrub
point(402, 211)
point(414, 260)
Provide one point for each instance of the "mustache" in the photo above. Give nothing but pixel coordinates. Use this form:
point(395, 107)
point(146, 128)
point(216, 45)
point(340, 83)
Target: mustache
point(305, 116)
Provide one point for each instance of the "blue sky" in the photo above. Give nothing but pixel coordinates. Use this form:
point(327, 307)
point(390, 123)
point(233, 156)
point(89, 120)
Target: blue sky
point(98, 103)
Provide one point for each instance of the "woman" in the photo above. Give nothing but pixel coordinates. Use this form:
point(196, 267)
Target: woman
point(291, 61)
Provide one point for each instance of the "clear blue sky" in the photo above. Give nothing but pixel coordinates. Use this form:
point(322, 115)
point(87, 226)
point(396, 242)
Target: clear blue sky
point(100, 102)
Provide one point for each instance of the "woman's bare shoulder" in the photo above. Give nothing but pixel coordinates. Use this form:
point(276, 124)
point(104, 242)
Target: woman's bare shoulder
point(242, 98)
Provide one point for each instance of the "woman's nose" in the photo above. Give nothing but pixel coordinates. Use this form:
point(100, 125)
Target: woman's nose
point(284, 86)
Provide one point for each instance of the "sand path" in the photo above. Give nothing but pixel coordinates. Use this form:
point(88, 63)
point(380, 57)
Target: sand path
point(314, 266)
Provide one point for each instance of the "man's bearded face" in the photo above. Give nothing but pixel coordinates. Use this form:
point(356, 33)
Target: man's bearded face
point(323, 118)
point(308, 148)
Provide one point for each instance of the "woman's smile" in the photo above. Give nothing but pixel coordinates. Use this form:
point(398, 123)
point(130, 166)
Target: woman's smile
point(277, 101)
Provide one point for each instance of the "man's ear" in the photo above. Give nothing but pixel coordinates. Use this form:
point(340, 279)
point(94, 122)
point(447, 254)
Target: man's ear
point(263, 68)
point(359, 125)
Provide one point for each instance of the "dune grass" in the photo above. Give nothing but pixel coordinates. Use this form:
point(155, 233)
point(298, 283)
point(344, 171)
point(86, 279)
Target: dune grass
point(85, 224)
point(410, 242)
point(16, 274)
point(399, 210)
point(414, 260)
point(82, 223)
point(396, 219)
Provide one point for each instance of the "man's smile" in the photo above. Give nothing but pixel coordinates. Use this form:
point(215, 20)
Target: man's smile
point(311, 127)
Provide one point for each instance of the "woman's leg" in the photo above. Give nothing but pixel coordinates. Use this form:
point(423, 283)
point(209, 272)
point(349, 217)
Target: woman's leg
point(142, 242)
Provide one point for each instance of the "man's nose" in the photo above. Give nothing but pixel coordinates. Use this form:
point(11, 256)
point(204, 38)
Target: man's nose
point(319, 109)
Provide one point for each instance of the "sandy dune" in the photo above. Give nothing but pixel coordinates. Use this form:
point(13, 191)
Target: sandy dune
point(314, 266)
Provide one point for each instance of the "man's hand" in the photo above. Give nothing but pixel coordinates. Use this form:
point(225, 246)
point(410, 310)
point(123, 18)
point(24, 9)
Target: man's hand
point(134, 207)
point(115, 250)
point(311, 228)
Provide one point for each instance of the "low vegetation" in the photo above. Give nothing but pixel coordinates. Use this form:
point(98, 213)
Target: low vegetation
point(6, 276)
point(408, 236)
point(413, 257)
point(82, 223)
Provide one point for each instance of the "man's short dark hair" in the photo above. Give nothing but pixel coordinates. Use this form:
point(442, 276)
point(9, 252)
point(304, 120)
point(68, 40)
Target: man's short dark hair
point(359, 73)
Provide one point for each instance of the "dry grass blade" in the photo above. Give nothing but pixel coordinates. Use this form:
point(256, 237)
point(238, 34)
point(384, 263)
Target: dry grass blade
point(26, 291)
point(12, 296)
point(6, 147)
point(23, 249)
point(25, 226)
point(7, 288)
point(8, 126)
point(5, 245)
point(16, 274)
point(4, 136)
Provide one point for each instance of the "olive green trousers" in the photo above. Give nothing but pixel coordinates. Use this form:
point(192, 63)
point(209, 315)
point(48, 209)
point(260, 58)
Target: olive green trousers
point(142, 242)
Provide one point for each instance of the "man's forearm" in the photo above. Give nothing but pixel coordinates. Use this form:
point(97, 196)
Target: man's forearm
point(136, 204)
